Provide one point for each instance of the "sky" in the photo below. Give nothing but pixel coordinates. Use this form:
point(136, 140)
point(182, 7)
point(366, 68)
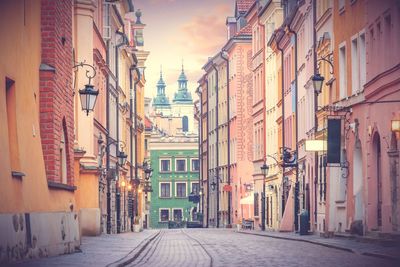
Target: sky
point(176, 30)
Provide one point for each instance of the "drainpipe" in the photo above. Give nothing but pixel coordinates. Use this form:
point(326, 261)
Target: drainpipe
point(264, 120)
point(208, 161)
point(132, 95)
point(315, 114)
point(296, 191)
point(108, 141)
point(136, 137)
point(217, 139)
point(283, 121)
point(229, 136)
point(200, 153)
point(118, 194)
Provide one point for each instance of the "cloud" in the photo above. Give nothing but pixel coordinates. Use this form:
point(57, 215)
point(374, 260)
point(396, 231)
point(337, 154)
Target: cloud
point(204, 34)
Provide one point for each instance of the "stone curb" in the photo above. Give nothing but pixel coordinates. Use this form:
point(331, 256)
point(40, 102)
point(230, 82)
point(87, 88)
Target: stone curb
point(371, 254)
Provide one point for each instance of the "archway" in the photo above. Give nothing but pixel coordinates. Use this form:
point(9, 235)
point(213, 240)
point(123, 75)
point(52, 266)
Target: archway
point(376, 180)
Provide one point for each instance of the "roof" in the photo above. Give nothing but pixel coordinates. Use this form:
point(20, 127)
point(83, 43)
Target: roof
point(147, 123)
point(243, 5)
point(246, 30)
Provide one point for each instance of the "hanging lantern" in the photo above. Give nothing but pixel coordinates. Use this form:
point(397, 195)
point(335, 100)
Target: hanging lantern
point(317, 83)
point(88, 97)
point(122, 158)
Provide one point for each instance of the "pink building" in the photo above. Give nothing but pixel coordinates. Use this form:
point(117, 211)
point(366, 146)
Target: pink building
point(373, 186)
point(240, 119)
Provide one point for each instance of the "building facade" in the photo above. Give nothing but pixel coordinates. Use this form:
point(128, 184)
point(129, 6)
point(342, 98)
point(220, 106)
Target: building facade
point(37, 132)
point(176, 166)
point(75, 172)
point(271, 16)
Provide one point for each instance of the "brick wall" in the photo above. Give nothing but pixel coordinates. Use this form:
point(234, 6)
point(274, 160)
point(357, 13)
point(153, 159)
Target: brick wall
point(56, 94)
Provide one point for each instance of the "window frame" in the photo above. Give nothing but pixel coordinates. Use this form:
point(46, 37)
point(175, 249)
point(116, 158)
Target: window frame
point(173, 210)
point(191, 164)
point(176, 189)
point(170, 165)
point(159, 214)
point(159, 189)
point(191, 186)
point(176, 165)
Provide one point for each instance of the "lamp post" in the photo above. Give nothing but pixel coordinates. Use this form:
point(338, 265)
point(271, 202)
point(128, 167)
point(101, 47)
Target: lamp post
point(264, 170)
point(318, 81)
point(148, 171)
point(123, 184)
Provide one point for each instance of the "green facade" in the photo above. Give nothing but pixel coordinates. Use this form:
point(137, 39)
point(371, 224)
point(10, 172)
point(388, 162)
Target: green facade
point(176, 205)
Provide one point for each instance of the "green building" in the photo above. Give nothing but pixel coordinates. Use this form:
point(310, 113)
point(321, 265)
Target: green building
point(175, 164)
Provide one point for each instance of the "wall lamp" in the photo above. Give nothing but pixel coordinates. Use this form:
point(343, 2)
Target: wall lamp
point(318, 79)
point(88, 95)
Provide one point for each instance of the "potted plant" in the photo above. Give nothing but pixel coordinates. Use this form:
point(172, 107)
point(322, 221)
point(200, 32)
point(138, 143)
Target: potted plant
point(136, 225)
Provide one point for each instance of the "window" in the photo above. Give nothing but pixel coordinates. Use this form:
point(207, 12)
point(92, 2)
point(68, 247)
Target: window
point(342, 72)
point(180, 165)
point(178, 215)
point(256, 205)
point(195, 165)
point(165, 190)
point(354, 66)
point(363, 55)
point(185, 124)
point(180, 190)
point(341, 5)
point(164, 215)
point(11, 107)
point(195, 188)
point(165, 165)
point(63, 158)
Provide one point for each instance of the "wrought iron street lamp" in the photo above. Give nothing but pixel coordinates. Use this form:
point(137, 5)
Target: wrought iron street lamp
point(88, 95)
point(122, 158)
point(264, 170)
point(318, 80)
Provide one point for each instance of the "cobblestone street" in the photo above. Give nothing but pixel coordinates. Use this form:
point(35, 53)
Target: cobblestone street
point(204, 247)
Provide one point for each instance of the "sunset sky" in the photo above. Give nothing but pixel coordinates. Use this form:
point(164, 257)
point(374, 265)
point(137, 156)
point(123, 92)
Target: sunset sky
point(192, 30)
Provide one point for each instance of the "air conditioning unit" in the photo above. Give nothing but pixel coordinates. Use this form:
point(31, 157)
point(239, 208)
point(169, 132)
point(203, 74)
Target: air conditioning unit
point(106, 32)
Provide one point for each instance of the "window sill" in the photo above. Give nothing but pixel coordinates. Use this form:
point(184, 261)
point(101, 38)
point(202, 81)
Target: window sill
point(165, 197)
point(180, 197)
point(60, 186)
point(165, 171)
point(18, 175)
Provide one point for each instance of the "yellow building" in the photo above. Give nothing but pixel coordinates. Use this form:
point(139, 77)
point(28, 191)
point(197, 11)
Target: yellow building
point(38, 213)
point(272, 17)
point(106, 188)
point(59, 162)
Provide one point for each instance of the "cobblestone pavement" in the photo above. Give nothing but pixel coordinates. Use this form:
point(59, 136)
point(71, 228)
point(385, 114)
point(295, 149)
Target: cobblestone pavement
point(205, 247)
point(352, 245)
point(96, 251)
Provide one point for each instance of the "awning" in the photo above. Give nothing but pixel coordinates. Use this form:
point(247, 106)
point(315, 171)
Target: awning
point(249, 200)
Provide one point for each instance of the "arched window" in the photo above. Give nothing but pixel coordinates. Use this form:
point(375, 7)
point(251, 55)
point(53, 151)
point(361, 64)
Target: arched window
point(185, 124)
point(63, 157)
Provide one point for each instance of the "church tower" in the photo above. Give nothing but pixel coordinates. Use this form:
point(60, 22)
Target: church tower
point(183, 104)
point(161, 101)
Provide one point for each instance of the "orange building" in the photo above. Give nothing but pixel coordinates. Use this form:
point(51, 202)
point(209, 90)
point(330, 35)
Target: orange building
point(37, 131)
